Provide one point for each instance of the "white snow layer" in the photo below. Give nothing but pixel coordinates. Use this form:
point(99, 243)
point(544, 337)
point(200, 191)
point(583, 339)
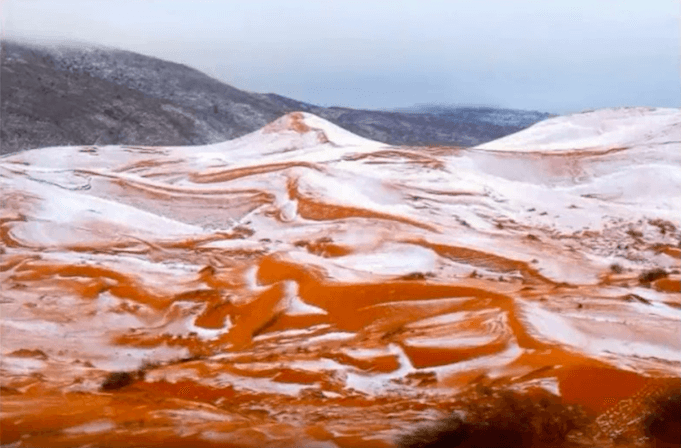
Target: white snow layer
point(599, 129)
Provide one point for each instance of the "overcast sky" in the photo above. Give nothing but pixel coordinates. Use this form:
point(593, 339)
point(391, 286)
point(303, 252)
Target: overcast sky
point(551, 55)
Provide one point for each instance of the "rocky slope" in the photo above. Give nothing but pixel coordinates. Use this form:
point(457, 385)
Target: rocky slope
point(55, 96)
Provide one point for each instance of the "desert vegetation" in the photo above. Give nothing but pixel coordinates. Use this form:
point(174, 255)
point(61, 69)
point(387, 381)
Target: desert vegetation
point(117, 380)
point(616, 268)
point(652, 275)
point(663, 424)
point(502, 419)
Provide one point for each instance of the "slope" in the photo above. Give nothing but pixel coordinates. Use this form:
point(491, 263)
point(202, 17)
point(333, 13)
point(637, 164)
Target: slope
point(602, 129)
point(57, 95)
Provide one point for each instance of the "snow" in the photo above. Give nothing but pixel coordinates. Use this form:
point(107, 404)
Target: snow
point(331, 337)
point(92, 427)
point(559, 329)
point(186, 324)
point(379, 383)
point(366, 353)
point(391, 259)
point(20, 366)
point(295, 305)
point(443, 319)
point(343, 188)
point(119, 358)
point(600, 129)
point(233, 244)
point(494, 364)
point(634, 185)
point(196, 415)
point(549, 384)
point(67, 217)
point(291, 334)
point(264, 385)
point(151, 216)
point(276, 142)
point(336, 134)
point(455, 341)
point(41, 327)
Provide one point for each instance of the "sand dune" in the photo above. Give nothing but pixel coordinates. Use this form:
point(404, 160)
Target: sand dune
point(303, 286)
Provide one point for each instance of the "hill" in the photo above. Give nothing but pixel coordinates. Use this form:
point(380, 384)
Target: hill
point(60, 95)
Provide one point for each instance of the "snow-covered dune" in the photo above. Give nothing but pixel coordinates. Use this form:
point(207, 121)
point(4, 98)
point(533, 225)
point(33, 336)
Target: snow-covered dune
point(284, 282)
point(601, 129)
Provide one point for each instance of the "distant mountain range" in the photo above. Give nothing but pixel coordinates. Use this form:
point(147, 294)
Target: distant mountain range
point(60, 95)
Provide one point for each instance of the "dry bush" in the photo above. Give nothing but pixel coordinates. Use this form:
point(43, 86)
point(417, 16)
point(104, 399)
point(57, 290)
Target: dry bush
point(450, 432)
point(635, 233)
point(117, 380)
point(616, 268)
point(652, 275)
point(503, 420)
point(664, 422)
point(664, 226)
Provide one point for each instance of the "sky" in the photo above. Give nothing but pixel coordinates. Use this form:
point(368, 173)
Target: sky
point(557, 56)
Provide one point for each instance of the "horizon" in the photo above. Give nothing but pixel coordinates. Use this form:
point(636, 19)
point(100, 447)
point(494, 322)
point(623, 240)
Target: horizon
point(615, 54)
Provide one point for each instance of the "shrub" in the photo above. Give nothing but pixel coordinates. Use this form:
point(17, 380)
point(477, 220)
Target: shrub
point(634, 233)
point(117, 380)
point(450, 432)
point(652, 275)
point(503, 420)
point(664, 422)
point(616, 268)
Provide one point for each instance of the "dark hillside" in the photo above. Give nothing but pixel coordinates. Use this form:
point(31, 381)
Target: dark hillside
point(54, 96)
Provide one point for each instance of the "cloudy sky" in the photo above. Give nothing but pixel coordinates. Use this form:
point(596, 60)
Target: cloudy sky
point(552, 55)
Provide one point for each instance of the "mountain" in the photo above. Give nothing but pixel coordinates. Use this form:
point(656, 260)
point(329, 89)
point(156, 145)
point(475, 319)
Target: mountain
point(303, 286)
point(60, 95)
point(483, 114)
